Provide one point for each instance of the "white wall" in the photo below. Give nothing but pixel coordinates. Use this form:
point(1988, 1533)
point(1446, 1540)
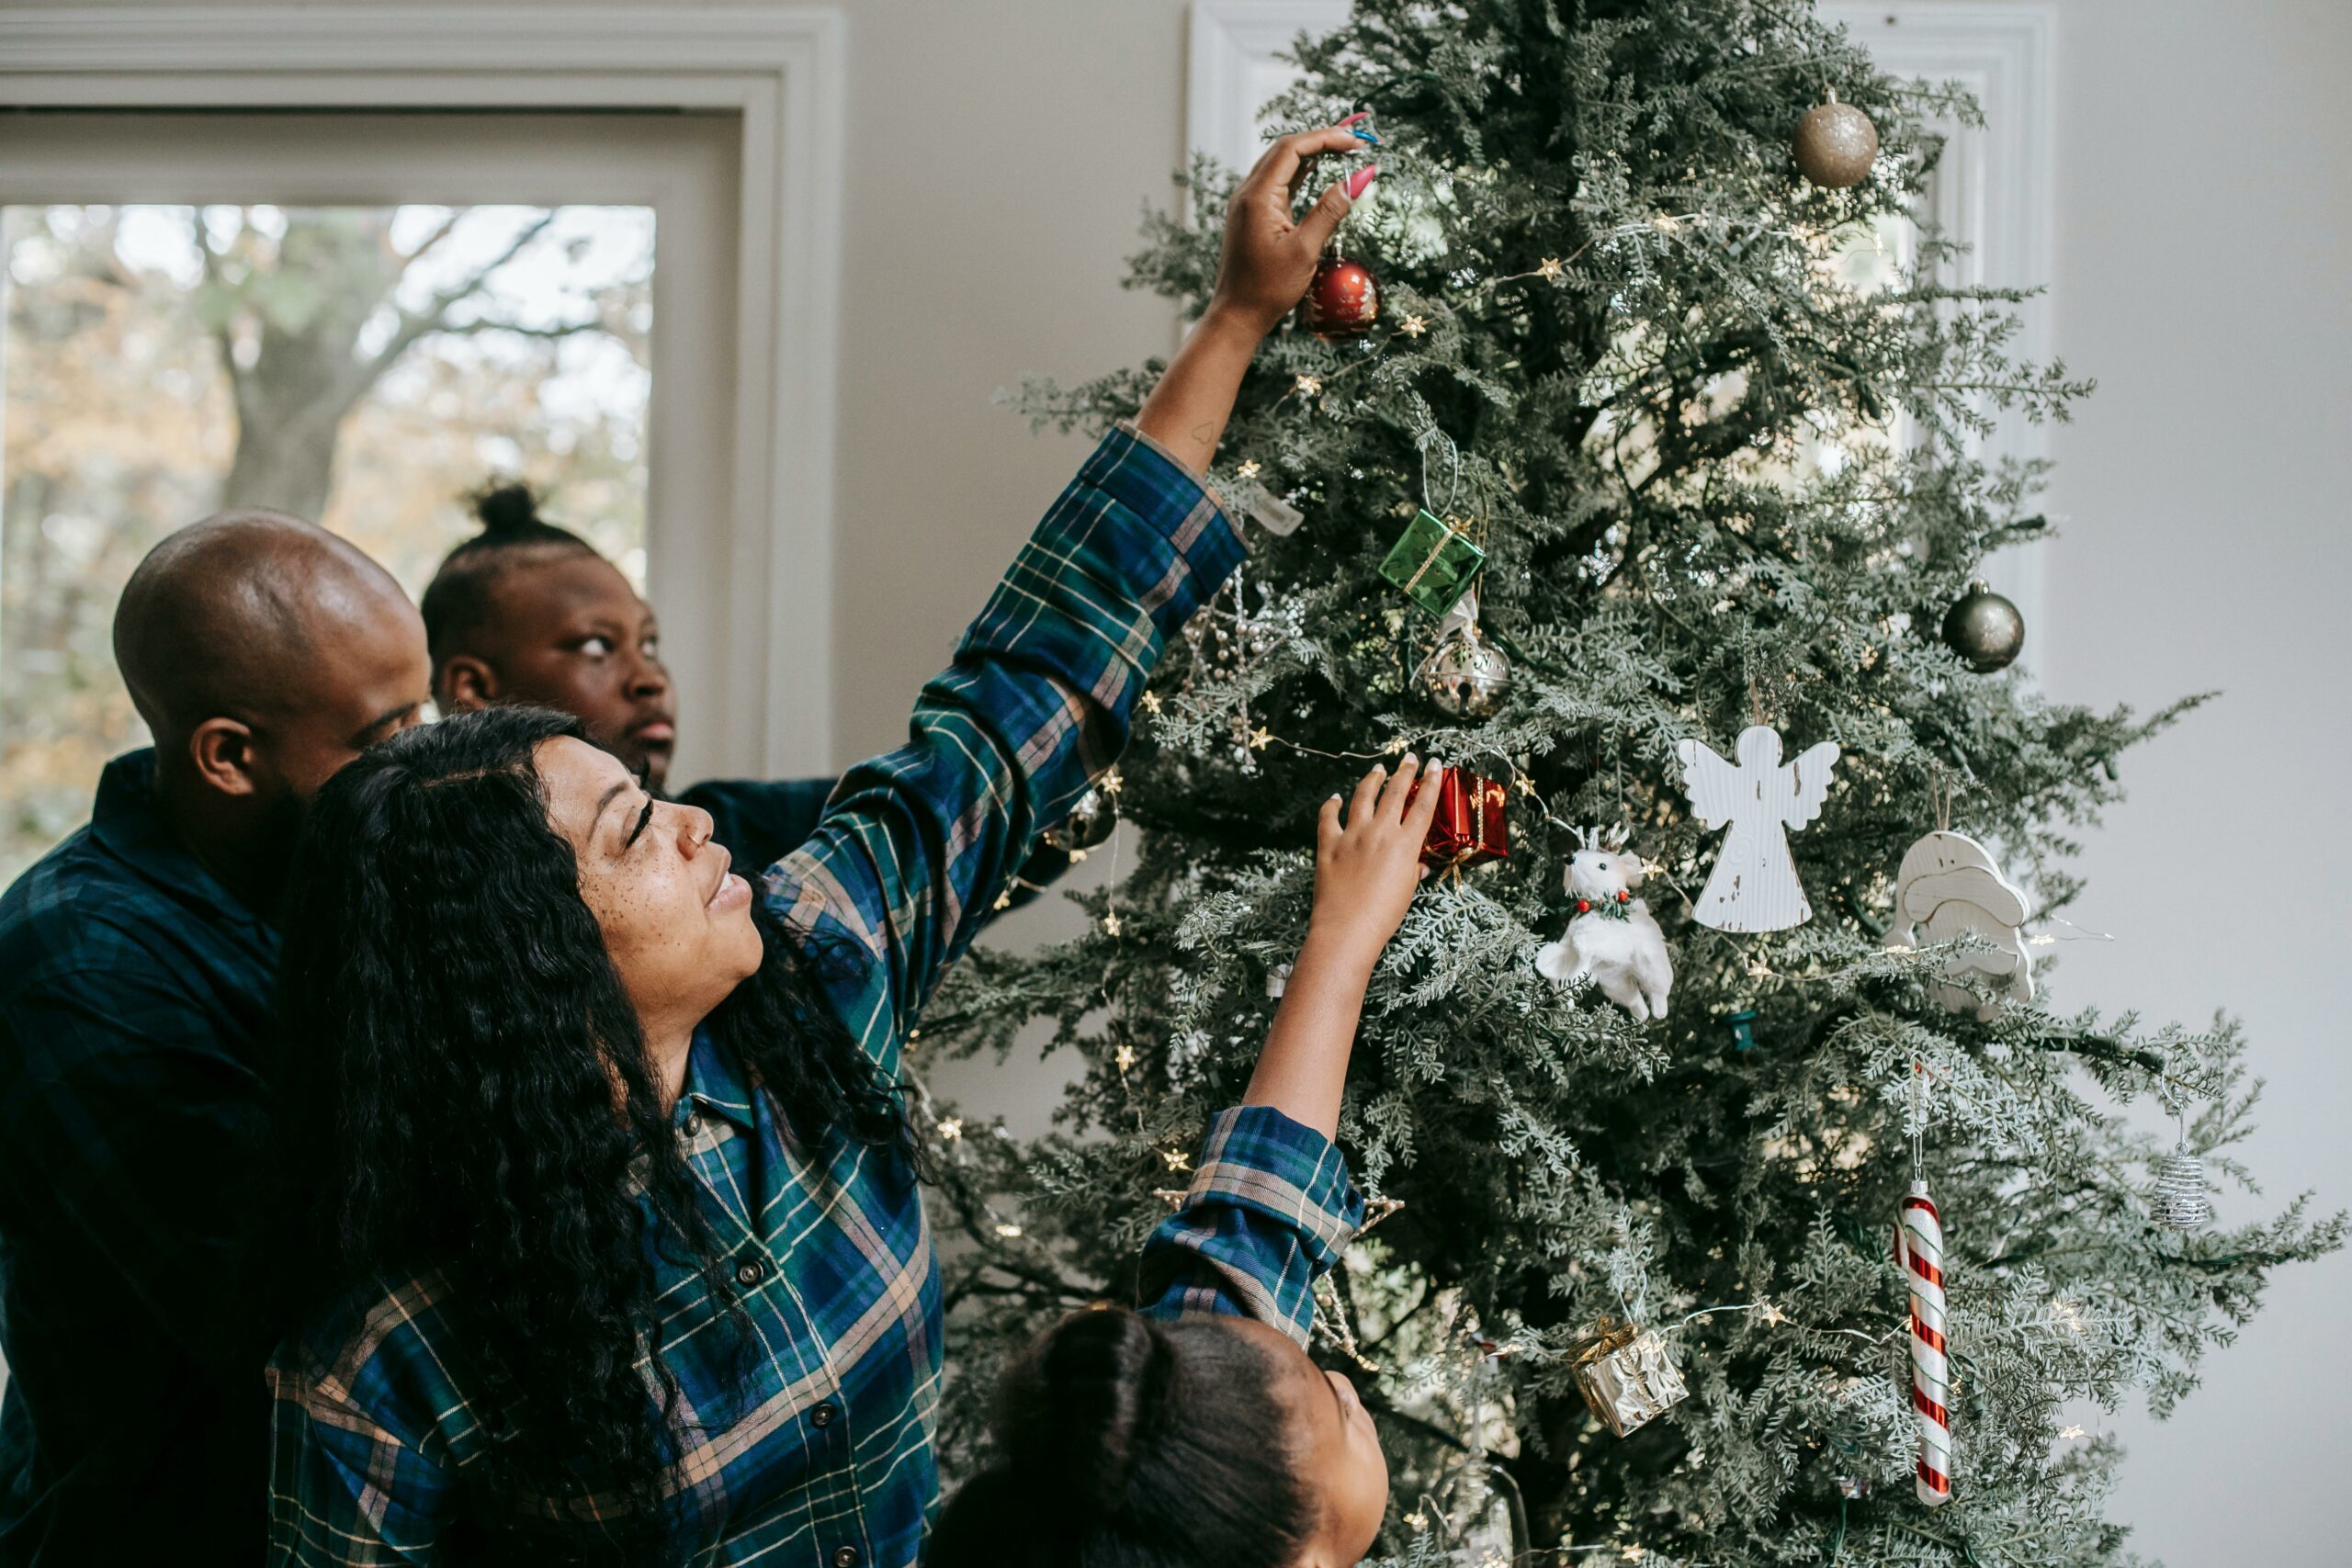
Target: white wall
point(2203, 266)
point(1001, 151)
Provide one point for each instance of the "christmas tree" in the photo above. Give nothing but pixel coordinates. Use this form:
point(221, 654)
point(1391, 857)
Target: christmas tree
point(1722, 476)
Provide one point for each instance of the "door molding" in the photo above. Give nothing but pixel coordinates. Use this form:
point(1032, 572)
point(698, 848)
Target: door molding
point(779, 68)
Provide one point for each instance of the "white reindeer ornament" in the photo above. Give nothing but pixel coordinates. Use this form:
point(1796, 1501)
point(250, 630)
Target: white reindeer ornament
point(1949, 884)
point(1755, 887)
point(1612, 938)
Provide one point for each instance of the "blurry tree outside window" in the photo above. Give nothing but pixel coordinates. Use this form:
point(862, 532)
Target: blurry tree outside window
point(363, 366)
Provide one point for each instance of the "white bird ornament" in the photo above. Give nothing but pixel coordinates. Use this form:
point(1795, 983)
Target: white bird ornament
point(1949, 884)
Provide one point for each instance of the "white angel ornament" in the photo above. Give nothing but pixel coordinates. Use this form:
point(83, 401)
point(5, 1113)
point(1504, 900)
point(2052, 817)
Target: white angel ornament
point(1753, 886)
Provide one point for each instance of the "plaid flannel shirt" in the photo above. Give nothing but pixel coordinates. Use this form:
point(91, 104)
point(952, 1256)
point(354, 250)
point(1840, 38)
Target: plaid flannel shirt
point(1270, 1209)
point(823, 1460)
point(763, 820)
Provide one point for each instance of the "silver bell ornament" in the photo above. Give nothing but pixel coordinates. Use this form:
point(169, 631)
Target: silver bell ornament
point(2180, 1202)
point(1984, 629)
point(1092, 818)
point(1465, 676)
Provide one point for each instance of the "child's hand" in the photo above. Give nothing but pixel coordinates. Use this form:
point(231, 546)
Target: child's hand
point(1364, 873)
point(1365, 870)
point(1269, 258)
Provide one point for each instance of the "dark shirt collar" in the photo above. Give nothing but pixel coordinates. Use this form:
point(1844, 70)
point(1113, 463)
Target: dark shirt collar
point(128, 822)
point(717, 1083)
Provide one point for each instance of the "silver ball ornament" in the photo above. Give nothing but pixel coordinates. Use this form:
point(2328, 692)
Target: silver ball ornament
point(1467, 676)
point(1986, 629)
point(1836, 144)
point(1092, 818)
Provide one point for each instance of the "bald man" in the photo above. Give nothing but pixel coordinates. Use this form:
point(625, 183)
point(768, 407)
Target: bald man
point(137, 961)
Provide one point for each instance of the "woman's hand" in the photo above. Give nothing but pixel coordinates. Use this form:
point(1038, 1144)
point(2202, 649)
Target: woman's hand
point(1268, 261)
point(1366, 870)
point(1270, 256)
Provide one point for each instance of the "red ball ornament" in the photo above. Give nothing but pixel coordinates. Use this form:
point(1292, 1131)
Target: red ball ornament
point(1624, 896)
point(1343, 301)
point(1584, 905)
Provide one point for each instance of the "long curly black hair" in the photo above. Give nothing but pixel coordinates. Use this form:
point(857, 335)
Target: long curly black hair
point(469, 1092)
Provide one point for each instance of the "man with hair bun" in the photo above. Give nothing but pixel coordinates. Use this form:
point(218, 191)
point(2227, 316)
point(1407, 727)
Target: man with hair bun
point(137, 965)
point(527, 611)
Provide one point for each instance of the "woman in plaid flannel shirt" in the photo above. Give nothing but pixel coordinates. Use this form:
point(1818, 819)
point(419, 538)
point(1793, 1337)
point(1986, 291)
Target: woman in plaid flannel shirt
point(609, 1248)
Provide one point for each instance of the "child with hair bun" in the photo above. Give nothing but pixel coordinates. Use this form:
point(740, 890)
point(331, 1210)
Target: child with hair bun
point(1193, 1431)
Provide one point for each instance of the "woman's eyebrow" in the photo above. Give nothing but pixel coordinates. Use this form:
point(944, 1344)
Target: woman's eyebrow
point(606, 799)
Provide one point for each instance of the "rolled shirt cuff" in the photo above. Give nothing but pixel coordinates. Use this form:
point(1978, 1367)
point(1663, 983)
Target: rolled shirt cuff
point(1255, 1157)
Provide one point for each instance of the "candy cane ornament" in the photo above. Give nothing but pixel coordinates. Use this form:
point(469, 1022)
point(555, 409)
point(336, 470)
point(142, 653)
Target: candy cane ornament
point(1919, 1251)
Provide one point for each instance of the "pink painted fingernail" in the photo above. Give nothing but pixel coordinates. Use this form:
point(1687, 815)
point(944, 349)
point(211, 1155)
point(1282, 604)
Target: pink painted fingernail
point(1351, 119)
point(1360, 179)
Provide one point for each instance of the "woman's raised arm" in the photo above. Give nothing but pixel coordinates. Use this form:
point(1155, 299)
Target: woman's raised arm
point(1268, 262)
point(917, 843)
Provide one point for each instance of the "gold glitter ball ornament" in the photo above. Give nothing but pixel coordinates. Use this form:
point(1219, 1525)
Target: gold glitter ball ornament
point(1836, 144)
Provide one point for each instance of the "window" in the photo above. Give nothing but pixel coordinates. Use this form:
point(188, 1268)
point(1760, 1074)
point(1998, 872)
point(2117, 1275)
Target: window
point(364, 366)
point(726, 122)
point(356, 318)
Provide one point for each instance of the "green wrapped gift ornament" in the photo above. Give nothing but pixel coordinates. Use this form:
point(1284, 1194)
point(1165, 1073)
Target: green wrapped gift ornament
point(1434, 563)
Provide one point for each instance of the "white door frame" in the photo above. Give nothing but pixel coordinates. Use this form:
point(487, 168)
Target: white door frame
point(1993, 191)
point(778, 68)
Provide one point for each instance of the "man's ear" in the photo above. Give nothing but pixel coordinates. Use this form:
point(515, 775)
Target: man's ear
point(465, 684)
point(223, 751)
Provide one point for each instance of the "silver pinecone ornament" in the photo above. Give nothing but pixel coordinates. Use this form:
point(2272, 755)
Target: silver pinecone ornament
point(2180, 1201)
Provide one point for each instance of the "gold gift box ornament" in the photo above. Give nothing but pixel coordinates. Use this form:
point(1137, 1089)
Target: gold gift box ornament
point(1626, 1375)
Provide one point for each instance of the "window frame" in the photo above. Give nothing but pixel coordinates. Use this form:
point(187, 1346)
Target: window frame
point(777, 70)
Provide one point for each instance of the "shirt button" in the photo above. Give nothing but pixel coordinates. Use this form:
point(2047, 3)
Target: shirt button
point(845, 1557)
point(750, 1268)
point(822, 1415)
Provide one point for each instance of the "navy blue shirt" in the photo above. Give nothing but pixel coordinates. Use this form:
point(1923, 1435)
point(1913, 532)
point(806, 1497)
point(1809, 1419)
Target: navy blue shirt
point(134, 1099)
point(759, 821)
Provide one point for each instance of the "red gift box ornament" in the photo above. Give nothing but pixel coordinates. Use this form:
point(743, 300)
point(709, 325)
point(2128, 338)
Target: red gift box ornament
point(1469, 826)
